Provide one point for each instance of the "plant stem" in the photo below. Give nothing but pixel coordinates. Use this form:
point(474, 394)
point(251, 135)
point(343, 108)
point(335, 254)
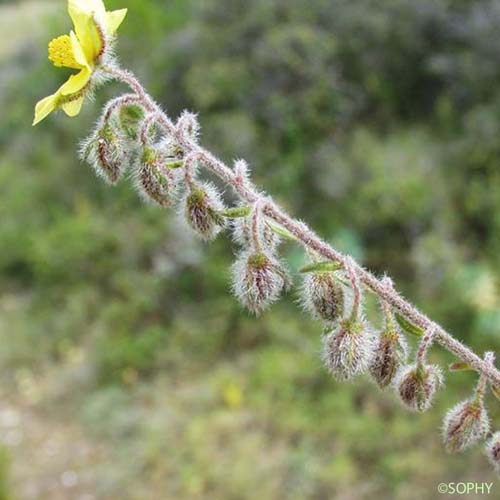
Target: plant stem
point(306, 236)
point(353, 278)
point(489, 358)
point(424, 346)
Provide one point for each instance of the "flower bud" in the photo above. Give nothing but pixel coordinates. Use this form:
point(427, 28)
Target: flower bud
point(493, 451)
point(417, 384)
point(348, 349)
point(154, 180)
point(390, 352)
point(242, 171)
point(105, 151)
point(258, 279)
point(323, 296)
point(242, 234)
point(201, 206)
point(464, 425)
point(188, 124)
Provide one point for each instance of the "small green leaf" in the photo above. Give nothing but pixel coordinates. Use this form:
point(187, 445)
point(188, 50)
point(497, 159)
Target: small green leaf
point(408, 327)
point(460, 366)
point(281, 231)
point(130, 116)
point(133, 112)
point(174, 164)
point(149, 155)
point(323, 266)
point(235, 212)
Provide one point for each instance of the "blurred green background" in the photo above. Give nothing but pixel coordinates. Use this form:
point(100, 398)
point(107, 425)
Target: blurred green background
point(127, 369)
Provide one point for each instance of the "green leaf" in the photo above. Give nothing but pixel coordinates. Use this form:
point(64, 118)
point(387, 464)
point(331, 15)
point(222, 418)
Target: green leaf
point(174, 164)
point(408, 327)
point(133, 112)
point(460, 366)
point(281, 231)
point(235, 212)
point(149, 155)
point(323, 266)
point(130, 116)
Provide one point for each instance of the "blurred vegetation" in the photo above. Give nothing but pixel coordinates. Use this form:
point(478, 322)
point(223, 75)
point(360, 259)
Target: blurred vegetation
point(375, 121)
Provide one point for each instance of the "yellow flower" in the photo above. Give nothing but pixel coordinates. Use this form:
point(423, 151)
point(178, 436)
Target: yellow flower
point(82, 49)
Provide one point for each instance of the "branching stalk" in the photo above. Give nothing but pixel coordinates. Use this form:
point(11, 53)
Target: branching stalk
point(311, 241)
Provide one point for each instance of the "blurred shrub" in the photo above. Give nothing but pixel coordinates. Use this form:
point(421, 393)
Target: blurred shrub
point(4, 474)
point(376, 121)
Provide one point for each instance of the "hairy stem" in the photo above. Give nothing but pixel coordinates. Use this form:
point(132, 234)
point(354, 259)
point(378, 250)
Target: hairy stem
point(424, 346)
point(489, 358)
point(305, 235)
point(353, 277)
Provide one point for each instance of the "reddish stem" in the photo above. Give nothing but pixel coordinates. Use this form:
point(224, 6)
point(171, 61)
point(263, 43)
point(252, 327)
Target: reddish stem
point(309, 239)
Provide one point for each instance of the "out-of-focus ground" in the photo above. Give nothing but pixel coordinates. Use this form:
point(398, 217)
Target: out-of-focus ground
point(53, 458)
point(127, 369)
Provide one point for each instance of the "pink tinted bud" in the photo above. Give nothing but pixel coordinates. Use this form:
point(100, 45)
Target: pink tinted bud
point(391, 352)
point(464, 425)
point(348, 349)
point(417, 385)
point(201, 206)
point(258, 280)
point(154, 181)
point(243, 234)
point(106, 152)
point(493, 451)
point(188, 125)
point(323, 296)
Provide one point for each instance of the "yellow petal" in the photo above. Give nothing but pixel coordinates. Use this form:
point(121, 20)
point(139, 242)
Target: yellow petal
point(85, 27)
point(76, 82)
point(86, 7)
point(78, 52)
point(114, 19)
point(79, 15)
point(72, 108)
point(44, 107)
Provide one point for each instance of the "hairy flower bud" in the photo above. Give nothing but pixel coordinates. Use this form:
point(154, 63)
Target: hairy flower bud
point(188, 124)
point(153, 179)
point(493, 451)
point(201, 206)
point(417, 384)
point(105, 151)
point(348, 349)
point(242, 171)
point(258, 279)
point(242, 234)
point(391, 352)
point(464, 425)
point(323, 296)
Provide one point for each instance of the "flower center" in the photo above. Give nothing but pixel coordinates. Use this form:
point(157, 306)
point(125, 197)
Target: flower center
point(61, 52)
